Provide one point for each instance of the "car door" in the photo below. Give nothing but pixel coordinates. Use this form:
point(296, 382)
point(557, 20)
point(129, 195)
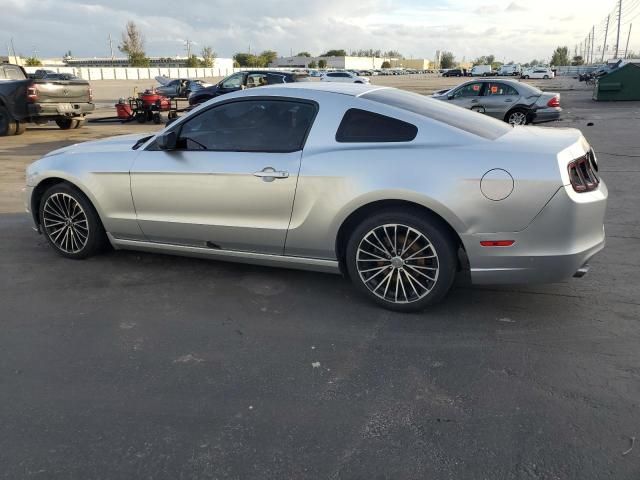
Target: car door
point(498, 98)
point(232, 83)
point(468, 96)
point(230, 182)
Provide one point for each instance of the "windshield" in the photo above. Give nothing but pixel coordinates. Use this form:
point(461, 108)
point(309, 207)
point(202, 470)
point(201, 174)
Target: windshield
point(461, 118)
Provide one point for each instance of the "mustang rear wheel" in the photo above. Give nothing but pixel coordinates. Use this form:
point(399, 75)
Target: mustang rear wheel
point(403, 261)
point(70, 223)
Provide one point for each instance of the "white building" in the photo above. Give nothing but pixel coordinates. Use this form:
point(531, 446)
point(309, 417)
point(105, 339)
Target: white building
point(353, 63)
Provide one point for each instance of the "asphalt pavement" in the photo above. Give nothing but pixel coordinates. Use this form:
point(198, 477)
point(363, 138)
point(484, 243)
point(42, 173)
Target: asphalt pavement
point(144, 366)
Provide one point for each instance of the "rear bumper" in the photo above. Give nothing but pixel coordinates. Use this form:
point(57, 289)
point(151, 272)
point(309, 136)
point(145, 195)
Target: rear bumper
point(60, 109)
point(562, 238)
point(547, 114)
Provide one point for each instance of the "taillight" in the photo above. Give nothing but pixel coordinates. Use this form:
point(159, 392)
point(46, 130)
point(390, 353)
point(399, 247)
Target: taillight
point(32, 94)
point(554, 102)
point(497, 243)
point(582, 173)
point(90, 94)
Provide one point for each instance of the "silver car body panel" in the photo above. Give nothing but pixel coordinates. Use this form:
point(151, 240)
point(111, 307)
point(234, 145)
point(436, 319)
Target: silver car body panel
point(210, 204)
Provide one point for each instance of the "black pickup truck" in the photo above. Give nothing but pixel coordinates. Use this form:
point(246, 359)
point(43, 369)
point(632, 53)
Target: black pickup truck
point(39, 100)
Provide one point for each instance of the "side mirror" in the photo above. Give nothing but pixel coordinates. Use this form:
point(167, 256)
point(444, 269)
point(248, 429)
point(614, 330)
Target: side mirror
point(167, 140)
point(450, 96)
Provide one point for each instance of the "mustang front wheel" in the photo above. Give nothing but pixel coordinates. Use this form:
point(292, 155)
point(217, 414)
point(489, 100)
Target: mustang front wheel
point(70, 222)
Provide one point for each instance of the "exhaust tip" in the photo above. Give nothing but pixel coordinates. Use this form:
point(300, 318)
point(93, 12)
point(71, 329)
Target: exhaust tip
point(582, 271)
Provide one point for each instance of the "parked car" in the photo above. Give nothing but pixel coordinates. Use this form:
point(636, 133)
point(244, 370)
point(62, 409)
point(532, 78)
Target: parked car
point(40, 73)
point(455, 72)
point(481, 71)
point(514, 102)
point(538, 72)
point(510, 70)
point(390, 187)
point(245, 79)
point(345, 77)
point(180, 87)
point(24, 100)
point(59, 76)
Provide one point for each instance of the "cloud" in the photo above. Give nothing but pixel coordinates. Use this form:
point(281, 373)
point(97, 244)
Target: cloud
point(413, 27)
point(515, 7)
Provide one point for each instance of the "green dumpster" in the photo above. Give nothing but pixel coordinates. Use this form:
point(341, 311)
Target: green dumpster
point(622, 84)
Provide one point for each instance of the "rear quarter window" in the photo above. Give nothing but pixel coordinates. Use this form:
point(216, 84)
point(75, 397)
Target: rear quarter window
point(457, 117)
point(364, 126)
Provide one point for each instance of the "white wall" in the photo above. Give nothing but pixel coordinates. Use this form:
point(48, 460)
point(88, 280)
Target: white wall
point(221, 68)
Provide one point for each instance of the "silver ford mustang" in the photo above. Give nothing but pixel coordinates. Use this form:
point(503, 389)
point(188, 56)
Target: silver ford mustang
point(396, 190)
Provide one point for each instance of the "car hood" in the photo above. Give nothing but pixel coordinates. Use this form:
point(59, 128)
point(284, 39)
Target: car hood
point(119, 143)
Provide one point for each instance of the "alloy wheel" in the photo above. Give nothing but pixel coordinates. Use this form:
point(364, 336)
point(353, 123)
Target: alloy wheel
point(65, 223)
point(518, 118)
point(397, 263)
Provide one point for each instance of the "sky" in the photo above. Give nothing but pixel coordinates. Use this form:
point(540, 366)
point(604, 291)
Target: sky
point(516, 30)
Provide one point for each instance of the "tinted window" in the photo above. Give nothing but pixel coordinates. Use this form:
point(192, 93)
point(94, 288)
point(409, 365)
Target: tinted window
point(499, 89)
point(234, 81)
point(256, 80)
point(471, 90)
point(249, 126)
point(451, 115)
point(275, 79)
point(363, 126)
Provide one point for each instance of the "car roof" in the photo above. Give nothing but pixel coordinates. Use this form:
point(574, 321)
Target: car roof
point(352, 89)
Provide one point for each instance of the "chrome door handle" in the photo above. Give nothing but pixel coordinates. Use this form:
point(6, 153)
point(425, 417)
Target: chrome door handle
point(268, 174)
point(508, 100)
point(474, 101)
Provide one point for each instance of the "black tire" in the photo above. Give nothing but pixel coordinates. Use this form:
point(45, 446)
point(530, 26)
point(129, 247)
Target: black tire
point(156, 118)
point(546, 77)
point(432, 229)
point(66, 123)
point(517, 112)
point(526, 77)
point(7, 123)
point(21, 127)
point(96, 238)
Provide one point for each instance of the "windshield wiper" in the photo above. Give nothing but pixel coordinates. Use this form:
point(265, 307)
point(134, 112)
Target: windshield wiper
point(140, 142)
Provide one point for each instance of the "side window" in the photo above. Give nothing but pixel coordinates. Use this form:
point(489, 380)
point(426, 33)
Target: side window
point(256, 80)
point(363, 126)
point(275, 79)
point(13, 73)
point(234, 81)
point(471, 90)
point(332, 75)
point(494, 89)
point(250, 126)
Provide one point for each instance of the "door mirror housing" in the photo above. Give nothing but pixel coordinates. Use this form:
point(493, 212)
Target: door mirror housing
point(450, 96)
point(167, 140)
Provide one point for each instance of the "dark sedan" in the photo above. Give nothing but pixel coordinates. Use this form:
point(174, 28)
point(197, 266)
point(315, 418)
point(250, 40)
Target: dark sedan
point(246, 79)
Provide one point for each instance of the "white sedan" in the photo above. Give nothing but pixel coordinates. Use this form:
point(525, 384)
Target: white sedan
point(346, 77)
point(538, 73)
